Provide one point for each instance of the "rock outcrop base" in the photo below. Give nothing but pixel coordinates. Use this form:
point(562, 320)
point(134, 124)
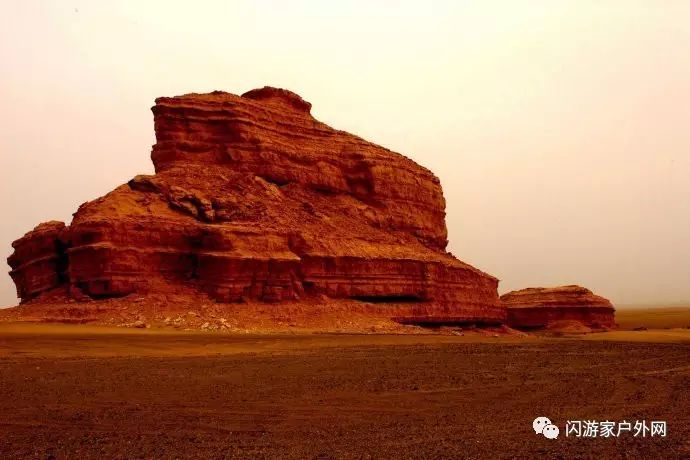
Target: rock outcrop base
point(255, 200)
point(537, 308)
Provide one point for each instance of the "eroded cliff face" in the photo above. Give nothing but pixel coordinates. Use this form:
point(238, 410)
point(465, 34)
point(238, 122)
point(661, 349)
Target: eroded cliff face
point(538, 307)
point(255, 199)
point(270, 133)
point(39, 261)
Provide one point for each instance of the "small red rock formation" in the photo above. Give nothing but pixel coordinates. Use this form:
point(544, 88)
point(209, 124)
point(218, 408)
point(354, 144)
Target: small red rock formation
point(534, 308)
point(255, 199)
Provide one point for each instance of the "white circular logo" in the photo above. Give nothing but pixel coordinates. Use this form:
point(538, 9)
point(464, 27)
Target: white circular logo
point(539, 423)
point(550, 431)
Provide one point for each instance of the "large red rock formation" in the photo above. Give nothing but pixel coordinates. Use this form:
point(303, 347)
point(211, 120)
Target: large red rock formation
point(540, 307)
point(253, 198)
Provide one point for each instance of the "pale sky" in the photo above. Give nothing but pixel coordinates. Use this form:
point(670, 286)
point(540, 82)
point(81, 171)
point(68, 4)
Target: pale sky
point(560, 130)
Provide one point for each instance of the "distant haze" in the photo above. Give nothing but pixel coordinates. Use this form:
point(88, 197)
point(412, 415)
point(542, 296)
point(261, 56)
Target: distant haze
point(560, 130)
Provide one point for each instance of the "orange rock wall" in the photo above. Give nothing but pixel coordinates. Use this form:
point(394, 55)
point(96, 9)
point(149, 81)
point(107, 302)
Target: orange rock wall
point(254, 198)
point(263, 134)
point(541, 317)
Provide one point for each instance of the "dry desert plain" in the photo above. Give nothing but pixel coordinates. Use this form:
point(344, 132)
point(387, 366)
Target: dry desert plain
point(95, 392)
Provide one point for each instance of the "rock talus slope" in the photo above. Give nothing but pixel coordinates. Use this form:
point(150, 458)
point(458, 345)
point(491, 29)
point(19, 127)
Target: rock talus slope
point(540, 307)
point(253, 198)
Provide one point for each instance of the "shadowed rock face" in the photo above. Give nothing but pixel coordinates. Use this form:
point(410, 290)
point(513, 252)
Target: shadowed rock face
point(39, 261)
point(254, 198)
point(538, 307)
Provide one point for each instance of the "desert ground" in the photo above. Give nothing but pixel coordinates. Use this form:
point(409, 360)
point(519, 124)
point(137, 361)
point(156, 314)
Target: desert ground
point(77, 391)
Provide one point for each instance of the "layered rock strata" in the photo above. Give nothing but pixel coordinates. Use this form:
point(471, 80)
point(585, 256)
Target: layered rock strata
point(39, 261)
point(253, 198)
point(534, 308)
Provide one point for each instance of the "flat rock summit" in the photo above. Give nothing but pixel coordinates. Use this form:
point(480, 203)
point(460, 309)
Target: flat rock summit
point(256, 202)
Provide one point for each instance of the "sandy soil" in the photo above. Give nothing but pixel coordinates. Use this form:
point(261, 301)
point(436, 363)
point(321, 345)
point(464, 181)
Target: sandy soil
point(653, 317)
point(188, 311)
point(92, 392)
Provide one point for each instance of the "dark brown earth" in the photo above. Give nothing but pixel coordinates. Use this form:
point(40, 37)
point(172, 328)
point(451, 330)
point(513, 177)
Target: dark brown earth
point(70, 392)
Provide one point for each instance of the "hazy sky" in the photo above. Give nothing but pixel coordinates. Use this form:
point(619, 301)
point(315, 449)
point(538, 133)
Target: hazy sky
point(560, 130)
